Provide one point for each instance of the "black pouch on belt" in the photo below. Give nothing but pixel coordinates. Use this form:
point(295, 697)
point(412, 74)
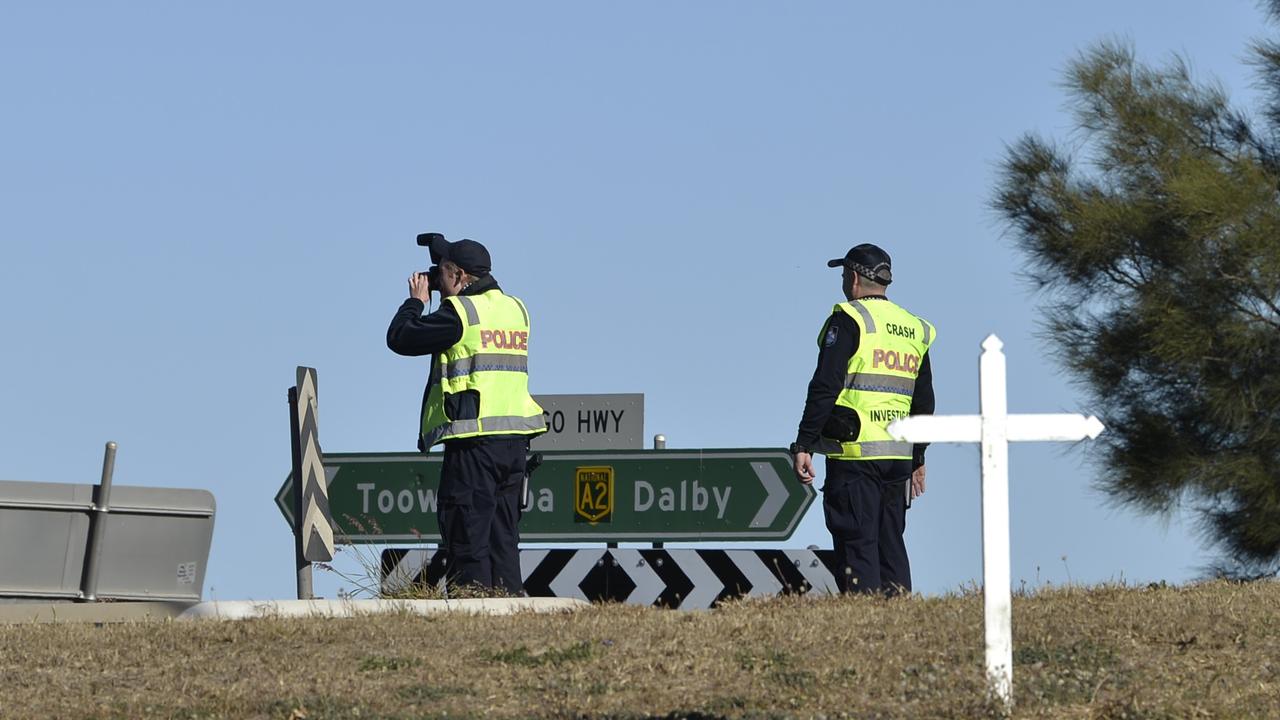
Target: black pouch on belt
point(842, 426)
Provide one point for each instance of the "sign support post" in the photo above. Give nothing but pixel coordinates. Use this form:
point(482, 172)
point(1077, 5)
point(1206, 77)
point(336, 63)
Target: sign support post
point(303, 567)
point(659, 443)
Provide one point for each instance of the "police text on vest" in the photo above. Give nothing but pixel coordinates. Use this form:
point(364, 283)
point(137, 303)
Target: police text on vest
point(505, 339)
point(894, 360)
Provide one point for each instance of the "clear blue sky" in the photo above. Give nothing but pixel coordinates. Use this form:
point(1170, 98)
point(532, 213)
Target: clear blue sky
point(195, 198)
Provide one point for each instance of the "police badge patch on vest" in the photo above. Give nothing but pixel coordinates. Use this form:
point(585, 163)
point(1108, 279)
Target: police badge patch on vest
point(830, 339)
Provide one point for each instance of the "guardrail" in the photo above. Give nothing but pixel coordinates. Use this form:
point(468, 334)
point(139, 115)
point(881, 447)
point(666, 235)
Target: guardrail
point(88, 543)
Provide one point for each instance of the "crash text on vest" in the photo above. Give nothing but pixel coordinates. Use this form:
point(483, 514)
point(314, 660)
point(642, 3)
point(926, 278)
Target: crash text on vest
point(904, 331)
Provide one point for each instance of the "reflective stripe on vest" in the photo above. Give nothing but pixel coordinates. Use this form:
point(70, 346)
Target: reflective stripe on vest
point(500, 424)
point(871, 382)
point(881, 378)
point(868, 322)
point(490, 362)
point(879, 450)
point(485, 362)
point(469, 306)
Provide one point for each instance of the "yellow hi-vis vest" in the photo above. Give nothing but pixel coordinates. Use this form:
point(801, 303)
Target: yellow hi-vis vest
point(491, 359)
point(881, 377)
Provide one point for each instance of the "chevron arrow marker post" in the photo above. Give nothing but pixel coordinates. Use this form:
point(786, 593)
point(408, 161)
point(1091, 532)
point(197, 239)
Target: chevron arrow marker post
point(314, 537)
point(317, 526)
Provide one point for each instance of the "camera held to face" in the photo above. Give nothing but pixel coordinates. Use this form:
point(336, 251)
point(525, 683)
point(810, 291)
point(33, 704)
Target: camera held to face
point(433, 273)
point(433, 277)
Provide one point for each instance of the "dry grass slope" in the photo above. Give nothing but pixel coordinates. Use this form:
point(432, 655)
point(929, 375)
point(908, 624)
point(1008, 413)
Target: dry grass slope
point(1210, 650)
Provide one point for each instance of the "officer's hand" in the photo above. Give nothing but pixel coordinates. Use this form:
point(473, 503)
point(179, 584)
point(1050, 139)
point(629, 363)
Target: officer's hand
point(420, 287)
point(804, 467)
point(917, 482)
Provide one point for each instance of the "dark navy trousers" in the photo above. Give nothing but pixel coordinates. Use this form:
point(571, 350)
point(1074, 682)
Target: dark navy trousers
point(479, 511)
point(865, 505)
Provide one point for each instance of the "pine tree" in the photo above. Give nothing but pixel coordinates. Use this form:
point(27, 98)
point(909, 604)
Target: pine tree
point(1155, 243)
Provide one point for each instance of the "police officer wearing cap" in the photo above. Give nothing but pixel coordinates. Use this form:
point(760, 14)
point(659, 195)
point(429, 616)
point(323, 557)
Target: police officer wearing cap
point(476, 403)
point(873, 367)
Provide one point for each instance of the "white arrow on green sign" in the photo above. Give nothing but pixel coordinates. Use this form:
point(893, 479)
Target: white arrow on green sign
point(580, 496)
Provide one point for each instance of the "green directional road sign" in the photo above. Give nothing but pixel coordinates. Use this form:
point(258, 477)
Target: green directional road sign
point(580, 496)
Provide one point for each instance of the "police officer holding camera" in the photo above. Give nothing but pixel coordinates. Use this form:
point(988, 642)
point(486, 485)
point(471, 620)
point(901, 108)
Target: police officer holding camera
point(873, 368)
point(476, 403)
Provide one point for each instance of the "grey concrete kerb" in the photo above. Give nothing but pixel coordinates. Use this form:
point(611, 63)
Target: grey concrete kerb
point(250, 609)
point(117, 612)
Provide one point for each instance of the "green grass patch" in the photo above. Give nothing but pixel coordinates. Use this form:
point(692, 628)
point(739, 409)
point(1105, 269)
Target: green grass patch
point(522, 655)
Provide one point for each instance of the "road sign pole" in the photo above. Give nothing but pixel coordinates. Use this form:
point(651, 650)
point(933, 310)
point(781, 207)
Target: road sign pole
point(659, 443)
point(302, 566)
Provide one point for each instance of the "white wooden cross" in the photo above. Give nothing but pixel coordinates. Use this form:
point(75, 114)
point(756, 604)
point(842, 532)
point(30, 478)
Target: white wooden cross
point(995, 428)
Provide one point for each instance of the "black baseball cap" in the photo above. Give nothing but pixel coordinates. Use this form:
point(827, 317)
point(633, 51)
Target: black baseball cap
point(469, 255)
point(869, 261)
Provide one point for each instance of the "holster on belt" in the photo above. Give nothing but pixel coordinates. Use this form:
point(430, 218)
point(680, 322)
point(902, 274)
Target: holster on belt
point(837, 432)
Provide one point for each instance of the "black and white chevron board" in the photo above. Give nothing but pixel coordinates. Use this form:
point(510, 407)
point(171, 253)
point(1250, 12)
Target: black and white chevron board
point(316, 531)
point(687, 579)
